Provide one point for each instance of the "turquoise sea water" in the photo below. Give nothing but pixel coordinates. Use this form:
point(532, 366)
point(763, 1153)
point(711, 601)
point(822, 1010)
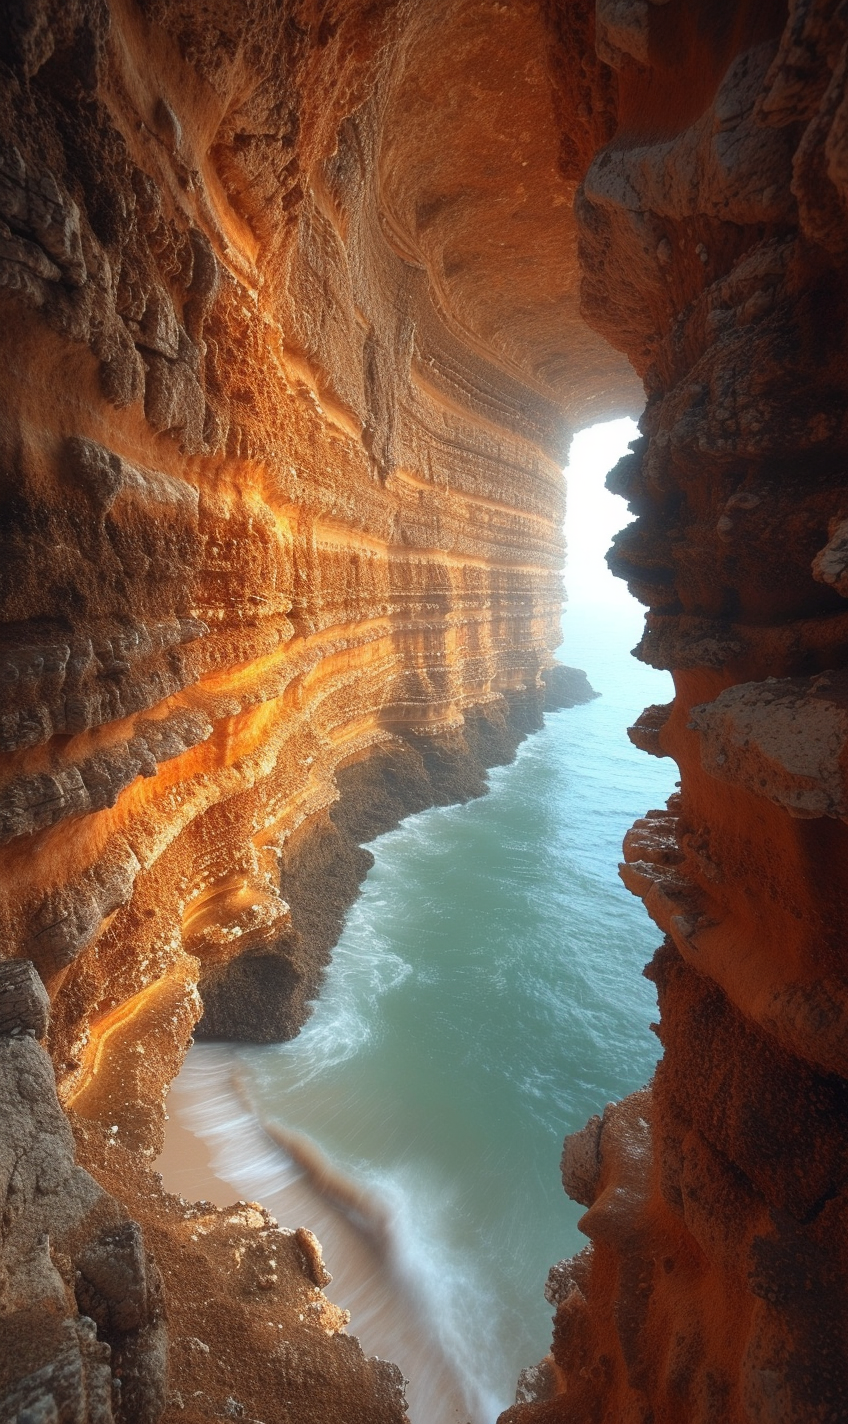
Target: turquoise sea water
point(485, 999)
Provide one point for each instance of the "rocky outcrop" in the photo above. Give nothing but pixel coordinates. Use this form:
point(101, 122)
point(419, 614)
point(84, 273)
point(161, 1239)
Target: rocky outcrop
point(713, 232)
point(85, 1335)
point(80, 1297)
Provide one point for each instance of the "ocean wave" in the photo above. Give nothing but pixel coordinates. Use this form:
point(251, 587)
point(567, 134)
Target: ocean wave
point(413, 1303)
point(346, 1019)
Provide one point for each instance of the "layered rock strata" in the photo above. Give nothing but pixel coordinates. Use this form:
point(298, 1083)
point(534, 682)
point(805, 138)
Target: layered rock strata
point(291, 351)
point(713, 242)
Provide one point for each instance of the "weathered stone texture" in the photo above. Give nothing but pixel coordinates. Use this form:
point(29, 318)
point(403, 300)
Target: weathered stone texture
point(292, 348)
point(83, 1329)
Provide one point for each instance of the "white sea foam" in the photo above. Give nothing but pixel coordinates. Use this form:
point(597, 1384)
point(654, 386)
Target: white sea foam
point(209, 1104)
point(420, 1302)
point(345, 1017)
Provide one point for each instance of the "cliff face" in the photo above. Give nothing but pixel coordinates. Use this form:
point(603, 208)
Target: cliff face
point(282, 432)
point(713, 242)
point(291, 352)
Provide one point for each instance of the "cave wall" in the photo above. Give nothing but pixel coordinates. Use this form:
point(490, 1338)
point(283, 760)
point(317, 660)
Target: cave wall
point(285, 407)
point(713, 242)
point(300, 305)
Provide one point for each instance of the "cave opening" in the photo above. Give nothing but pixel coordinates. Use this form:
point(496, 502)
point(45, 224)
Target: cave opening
point(483, 1000)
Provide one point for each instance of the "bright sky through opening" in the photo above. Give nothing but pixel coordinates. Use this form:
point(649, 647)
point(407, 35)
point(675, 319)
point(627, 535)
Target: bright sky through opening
point(593, 515)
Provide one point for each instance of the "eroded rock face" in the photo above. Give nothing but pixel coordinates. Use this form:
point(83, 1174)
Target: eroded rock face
point(83, 1325)
point(713, 232)
point(82, 1300)
point(286, 404)
point(291, 350)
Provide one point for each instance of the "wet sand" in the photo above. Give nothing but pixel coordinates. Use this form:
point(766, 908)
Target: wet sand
point(210, 1127)
point(186, 1166)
